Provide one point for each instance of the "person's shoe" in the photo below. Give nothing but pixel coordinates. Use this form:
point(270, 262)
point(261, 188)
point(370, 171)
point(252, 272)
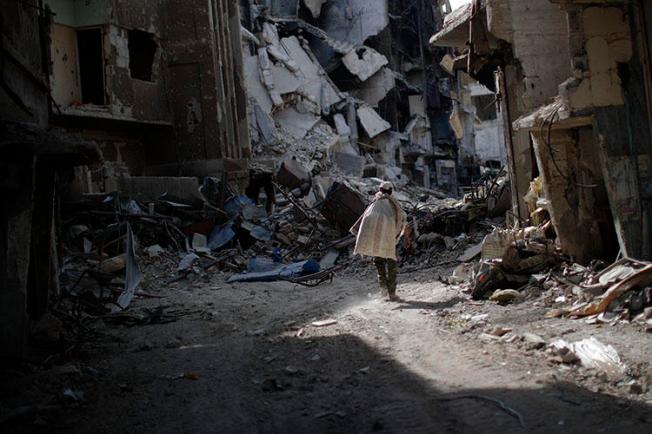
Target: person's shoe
point(393, 297)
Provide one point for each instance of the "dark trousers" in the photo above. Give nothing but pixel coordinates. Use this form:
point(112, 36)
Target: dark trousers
point(387, 271)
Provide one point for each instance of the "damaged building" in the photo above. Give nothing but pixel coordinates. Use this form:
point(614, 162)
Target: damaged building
point(325, 216)
point(359, 73)
point(572, 87)
point(158, 85)
point(106, 95)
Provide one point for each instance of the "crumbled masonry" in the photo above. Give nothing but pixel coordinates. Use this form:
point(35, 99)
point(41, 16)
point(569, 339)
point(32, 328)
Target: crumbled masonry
point(326, 216)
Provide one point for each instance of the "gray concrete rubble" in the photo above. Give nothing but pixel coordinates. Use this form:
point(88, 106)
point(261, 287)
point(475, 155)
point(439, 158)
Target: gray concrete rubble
point(376, 87)
point(187, 186)
point(371, 121)
point(363, 62)
point(328, 70)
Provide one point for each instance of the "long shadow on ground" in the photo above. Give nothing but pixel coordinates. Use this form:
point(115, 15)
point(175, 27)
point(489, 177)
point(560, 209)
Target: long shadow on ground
point(333, 384)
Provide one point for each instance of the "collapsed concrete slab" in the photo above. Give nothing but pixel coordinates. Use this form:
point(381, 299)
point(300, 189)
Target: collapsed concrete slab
point(267, 77)
point(255, 87)
point(296, 123)
point(349, 164)
point(371, 121)
point(343, 129)
point(313, 78)
point(265, 125)
point(363, 62)
point(375, 89)
point(388, 146)
point(418, 130)
point(284, 80)
point(370, 18)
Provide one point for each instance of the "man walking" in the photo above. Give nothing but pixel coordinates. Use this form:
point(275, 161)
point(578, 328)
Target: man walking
point(377, 231)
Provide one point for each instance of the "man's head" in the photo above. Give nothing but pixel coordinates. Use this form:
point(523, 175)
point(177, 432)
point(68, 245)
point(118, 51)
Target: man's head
point(386, 187)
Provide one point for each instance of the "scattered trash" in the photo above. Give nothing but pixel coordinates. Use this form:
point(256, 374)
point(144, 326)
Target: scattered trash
point(281, 272)
point(593, 354)
point(324, 323)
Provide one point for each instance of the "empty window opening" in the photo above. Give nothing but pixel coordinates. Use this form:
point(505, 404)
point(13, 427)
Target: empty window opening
point(142, 50)
point(91, 66)
point(485, 107)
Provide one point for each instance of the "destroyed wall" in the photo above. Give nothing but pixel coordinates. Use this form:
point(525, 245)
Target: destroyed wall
point(537, 32)
point(354, 21)
point(610, 79)
point(157, 83)
point(575, 194)
point(376, 93)
point(606, 94)
point(106, 59)
point(483, 138)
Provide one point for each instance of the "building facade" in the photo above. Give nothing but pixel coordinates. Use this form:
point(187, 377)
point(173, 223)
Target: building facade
point(572, 83)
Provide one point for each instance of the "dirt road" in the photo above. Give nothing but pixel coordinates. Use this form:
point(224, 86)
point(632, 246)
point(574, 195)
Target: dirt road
point(246, 358)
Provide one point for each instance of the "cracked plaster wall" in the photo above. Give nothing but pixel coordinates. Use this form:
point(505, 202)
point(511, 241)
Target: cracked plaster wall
point(605, 41)
point(538, 33)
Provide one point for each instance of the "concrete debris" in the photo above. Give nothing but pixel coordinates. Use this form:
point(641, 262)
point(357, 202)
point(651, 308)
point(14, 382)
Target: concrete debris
point(265, 125)
point(343, 129)
point(372, 123)
point(363, 62)
point(376, 88)
point(314, 81)
point(187, 262)
point(295, 123)
point(354, 21)
point(267, 78)
point(349, 164)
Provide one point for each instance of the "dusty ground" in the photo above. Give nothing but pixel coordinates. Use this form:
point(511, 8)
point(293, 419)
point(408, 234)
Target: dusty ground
point(245, 358)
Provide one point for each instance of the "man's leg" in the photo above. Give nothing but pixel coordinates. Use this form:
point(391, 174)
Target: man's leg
point(392, 271)
point(381, 266)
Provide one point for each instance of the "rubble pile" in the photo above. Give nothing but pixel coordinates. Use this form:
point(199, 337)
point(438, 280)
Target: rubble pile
point(296, 229)
point(525, 263)
point(296, 108)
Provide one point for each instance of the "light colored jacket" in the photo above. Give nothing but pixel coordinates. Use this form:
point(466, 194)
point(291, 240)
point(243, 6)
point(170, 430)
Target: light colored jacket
point(379, 228)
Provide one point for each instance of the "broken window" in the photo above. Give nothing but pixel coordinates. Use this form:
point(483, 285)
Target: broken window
point(485, 107)
point(91, 66)
point(142, 50)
